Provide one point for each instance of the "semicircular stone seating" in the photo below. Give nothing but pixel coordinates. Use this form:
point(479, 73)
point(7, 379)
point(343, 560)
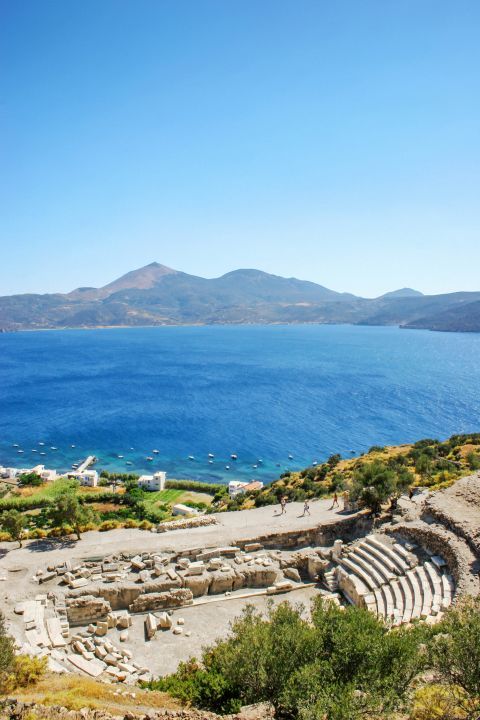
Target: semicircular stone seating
point(392, 581)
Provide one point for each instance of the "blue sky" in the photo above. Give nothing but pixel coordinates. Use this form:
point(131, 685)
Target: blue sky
point(333, 141)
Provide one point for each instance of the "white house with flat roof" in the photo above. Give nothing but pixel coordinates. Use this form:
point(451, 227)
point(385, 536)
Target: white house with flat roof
point(236, 487)
point(86, 477)
point(154, 482)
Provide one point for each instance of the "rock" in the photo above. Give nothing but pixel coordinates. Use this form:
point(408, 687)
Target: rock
point(292, 574)
point(177, 630)
point(253, 547)
point(101, 629)
point(221, 581)
point(196, 568)
point(180, 621)
point(257, 575)
point(124, 636)
point(315, 566)
point(164, 621)
point(198, 584)
point(150, 625)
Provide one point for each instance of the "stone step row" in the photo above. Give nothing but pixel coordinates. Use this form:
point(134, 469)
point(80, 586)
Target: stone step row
point(388, 580)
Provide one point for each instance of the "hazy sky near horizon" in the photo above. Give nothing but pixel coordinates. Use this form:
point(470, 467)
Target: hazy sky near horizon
point(335, 142)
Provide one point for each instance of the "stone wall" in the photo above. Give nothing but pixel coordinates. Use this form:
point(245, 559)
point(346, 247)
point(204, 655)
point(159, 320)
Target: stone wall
point(347, 527)
point(86, 609)
point(160, 601)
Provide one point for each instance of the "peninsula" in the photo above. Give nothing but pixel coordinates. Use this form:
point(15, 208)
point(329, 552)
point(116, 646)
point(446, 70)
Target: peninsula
point(158, 295)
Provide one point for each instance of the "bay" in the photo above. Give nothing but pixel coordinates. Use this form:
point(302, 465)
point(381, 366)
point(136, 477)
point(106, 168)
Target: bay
point(261, 392)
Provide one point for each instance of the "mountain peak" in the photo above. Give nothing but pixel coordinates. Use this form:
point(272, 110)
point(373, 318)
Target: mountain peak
point(402, 293)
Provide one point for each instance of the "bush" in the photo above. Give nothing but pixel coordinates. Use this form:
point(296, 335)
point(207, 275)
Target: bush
point(37, 533)
point(131, 523)
point(342, 666)
point(109, 525)
point(26, 671)
point(145, 525)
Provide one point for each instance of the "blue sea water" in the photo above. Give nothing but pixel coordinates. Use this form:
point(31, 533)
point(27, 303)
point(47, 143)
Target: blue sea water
point(262, 392)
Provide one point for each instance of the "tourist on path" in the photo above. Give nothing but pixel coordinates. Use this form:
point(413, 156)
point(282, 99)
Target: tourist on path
point(306, 508)
point(283, 504)
point(335, 501)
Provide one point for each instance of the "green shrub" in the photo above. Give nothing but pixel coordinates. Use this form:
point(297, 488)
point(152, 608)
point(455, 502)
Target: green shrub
point(343, 665)
point(109, 525)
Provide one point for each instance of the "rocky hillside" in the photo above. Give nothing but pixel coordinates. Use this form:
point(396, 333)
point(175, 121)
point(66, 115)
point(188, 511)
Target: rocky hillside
point(392, 469)
point(158, 295)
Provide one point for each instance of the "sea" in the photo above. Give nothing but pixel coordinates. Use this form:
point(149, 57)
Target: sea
point(278, 397)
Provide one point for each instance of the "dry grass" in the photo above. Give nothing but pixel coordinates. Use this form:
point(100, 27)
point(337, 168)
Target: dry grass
point(75, 692)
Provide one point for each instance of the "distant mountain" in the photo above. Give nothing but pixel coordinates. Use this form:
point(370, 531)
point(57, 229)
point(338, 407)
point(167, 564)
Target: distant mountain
point(402, 293)
point(158, 295)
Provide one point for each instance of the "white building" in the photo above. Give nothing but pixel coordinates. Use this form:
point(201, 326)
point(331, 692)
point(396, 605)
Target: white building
point(184, 510)
point(153, 482)
point(236, 487)
point(86, 477)
point(44, 473)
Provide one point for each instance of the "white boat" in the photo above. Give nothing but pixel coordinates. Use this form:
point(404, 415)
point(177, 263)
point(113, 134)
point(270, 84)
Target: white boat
point(210, 462)
point(72, 446)
point(254, 467)
point(233, 456)
point(315, 463)
point(128, 463)
point(15, 445)
point(53, 448)
point(156, 451)
point(20, 451)
point(41, 443)
point(211, 455)
point(32, 450)
point(191, 457)
point(227, 467)
point(43, 453)
point(290, 457)
point(120, 457)
point(149, 458)
point(260, 460)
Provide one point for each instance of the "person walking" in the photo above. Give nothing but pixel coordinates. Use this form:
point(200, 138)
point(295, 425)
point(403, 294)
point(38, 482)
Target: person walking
point(283, 504)
point(306, 508)
point(335, 501)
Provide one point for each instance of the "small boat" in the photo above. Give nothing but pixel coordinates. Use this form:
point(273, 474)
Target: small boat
point(156, 451)
point(42, 453)
point(314, 463)
point(278, 465)
point(211, 455)
point(33, 450)
point(290, 457)
point(233, 456)
point(120, 457)
point(227, 467)
point(128, 463)
point(20, 451)
point(352, 452)
point(210, 462)
point(191, 457)
point(15, 445)
point(74, 466)
point(72, 446)
point(132, 448)
point(149, 458)
point(260, 461)
point(41, 443)
point(53, 448)
point(254, 467)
